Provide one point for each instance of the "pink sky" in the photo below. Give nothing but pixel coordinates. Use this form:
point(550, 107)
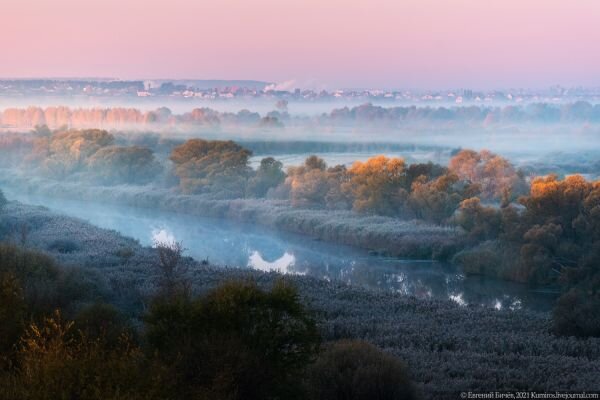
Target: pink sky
point(352, 43)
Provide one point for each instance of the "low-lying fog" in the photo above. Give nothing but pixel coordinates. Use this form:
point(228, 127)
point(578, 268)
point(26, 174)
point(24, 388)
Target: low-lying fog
point(561, 147)
point(182, 105)
point(241, 245)
point(347, 159)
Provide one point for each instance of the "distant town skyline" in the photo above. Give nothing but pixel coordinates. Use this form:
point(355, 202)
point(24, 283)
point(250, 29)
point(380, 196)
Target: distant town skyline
point(283, 86)
point(420, 44)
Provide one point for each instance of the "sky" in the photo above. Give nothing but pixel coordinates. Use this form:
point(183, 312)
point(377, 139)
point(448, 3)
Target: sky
point(331, 44)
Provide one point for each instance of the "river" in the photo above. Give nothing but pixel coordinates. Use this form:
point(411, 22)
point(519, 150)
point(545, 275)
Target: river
point(231, 244)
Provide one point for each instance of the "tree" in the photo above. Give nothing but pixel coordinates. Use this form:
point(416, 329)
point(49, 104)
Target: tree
point(576, 314)
point(437, 200)
point(67, 152)
point(375, 185)
point(355, 370)
point(236, 342)
point(482, 223)
point(217, 166)
point(497, 177)
point(315, 185)
point(269, 175)
point(131, 165)
point(55, 361)
point(282, 104)
point(270, 121)
point(12, 315)
point(172, 270)
point(41, 131)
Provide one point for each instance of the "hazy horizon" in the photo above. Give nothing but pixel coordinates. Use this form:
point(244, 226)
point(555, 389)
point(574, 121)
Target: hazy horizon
point(424, 44)
point(541, 87)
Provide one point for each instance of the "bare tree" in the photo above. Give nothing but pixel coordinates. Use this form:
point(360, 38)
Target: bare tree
point(173, 280)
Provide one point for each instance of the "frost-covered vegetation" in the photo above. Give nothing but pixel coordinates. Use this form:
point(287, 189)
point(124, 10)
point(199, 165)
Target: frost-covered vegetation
point(445, 347)
point(480, 211)
point(386, 235)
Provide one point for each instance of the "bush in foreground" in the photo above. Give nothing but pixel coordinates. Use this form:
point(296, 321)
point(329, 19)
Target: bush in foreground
point(577, 314)
point(356, 370)
point(56, 361)
point(237, 342)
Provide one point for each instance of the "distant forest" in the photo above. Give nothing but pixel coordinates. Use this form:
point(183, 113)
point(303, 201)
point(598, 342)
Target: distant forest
point(366, 114)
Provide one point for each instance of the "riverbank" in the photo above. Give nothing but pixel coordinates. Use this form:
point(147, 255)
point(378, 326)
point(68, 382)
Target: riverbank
point(383, 235)
point(448, 348)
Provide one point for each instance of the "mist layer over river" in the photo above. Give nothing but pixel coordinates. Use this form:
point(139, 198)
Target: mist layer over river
point(247, 246)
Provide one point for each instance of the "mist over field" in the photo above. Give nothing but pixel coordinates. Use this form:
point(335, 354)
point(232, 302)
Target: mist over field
point(299, 200)
point(485, 212)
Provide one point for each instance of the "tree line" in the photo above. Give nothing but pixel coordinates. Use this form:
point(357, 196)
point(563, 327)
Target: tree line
point(542, 231)
point(56, 117)
point(550, 237)
point(365, 114)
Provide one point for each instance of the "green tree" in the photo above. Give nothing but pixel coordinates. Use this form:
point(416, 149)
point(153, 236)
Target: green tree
point(269, 175)
point(117, 164)
point(237, 342)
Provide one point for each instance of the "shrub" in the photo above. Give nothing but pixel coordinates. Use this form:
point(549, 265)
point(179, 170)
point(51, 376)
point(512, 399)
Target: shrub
point(577, 314)
point(117, 164)
point(172, 270)
point(57, 362)
point(105, 322)
point(237, 342)
point(45, 285)
point(66, 152)
point(269, 175)
point(3, 200)
point(125, 253)
point(356, 370)
point(63, 246)
point(12, 314)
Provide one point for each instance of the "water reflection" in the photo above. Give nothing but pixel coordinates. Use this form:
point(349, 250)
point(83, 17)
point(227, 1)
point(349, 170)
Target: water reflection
point(162, 236)
point(283, 264)
point(243, 245)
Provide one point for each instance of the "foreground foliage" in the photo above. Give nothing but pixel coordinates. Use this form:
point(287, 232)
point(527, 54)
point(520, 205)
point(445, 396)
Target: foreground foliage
point(355, 370)
point(236, 342)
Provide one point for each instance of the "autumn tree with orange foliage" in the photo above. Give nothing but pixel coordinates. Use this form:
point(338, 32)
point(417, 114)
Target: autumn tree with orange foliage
point(212, 166)
point(315, 185)
point(553, 240)
point(375, 185)
point(67, 152)
point(498, 178)
point(438, 199)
